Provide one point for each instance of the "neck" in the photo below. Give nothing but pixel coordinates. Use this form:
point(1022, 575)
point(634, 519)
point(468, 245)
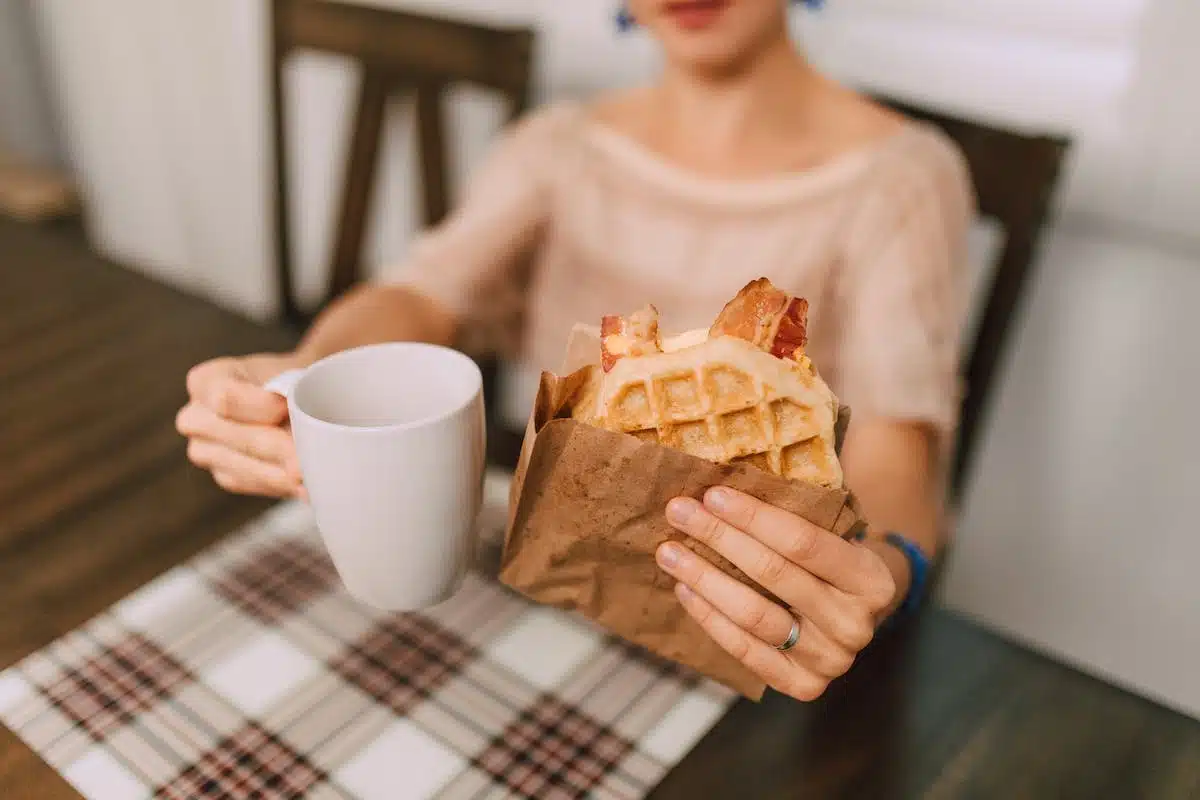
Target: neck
point(714, 109)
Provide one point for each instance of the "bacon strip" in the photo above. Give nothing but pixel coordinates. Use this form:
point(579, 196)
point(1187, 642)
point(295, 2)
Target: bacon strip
point(792, 333)
point(767, 317)
point(635, 335)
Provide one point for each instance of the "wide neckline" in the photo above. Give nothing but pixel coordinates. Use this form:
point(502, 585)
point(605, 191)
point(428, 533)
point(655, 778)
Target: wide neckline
point(768, 189)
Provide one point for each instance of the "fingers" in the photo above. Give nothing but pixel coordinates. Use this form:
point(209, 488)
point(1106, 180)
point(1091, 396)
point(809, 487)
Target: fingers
point(846, 621)
point(747, 608)
point(751, 627)
point(820, 654)
point(272, 444)
point(224, 387)
point(774, 667)
point(239, 473)
point(235, 427)
point(832, 559)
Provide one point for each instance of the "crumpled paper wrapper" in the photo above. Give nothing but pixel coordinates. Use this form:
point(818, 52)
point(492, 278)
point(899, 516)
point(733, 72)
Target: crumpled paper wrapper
point(588, 510)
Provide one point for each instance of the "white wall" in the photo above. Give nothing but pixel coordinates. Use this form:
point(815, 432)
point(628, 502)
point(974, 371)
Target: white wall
point(1079, 535)
point(1146, 171)
point(27, 129)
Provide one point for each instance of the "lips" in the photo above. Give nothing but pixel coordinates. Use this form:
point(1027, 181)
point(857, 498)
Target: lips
point(696, 14)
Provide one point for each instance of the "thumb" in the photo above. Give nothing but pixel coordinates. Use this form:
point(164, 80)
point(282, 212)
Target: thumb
point(231, 390)
point(262, 367)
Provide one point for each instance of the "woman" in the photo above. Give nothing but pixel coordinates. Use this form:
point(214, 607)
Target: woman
point(740, 161)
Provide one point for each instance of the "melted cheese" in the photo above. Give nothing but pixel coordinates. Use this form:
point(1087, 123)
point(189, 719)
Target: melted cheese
point(685, 340)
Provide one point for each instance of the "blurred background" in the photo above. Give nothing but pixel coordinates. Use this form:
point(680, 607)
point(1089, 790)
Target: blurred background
point(152, 121)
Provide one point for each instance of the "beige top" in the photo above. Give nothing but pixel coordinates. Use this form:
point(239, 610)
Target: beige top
point(570, 220)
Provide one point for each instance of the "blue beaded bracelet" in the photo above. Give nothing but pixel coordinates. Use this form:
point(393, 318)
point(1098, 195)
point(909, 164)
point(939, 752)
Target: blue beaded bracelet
point(919, 566)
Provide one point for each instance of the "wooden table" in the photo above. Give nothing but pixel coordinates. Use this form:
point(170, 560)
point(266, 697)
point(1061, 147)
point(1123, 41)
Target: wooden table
point(96, 498)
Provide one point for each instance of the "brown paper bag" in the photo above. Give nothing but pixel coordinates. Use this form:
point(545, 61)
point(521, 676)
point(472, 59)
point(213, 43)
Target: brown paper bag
point(587, 512)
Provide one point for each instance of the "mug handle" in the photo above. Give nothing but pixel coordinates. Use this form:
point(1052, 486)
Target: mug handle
point(285, 382)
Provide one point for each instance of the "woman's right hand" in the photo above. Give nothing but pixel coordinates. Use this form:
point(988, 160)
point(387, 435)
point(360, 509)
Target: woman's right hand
point(238, 430)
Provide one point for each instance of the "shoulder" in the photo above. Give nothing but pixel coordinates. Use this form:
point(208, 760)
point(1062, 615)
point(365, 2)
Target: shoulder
point(545, 125)
point(622, 110)
point(906, 159)
point(916, 182)
point(916, 191)
point(922, 163)
point(533, 145)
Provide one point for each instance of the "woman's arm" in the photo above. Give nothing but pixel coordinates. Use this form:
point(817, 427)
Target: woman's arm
point(891, 466)
point(236, 428)
point(901, 304)
point(370, 314)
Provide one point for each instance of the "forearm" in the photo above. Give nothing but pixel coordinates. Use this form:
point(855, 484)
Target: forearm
point(371, 314)
point(891, 468)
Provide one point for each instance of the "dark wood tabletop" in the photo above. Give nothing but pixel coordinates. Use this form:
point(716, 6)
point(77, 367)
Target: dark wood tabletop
point(96, 498)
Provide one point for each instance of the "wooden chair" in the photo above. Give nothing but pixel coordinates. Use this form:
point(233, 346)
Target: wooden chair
point(397, 52)
point(1015, 176)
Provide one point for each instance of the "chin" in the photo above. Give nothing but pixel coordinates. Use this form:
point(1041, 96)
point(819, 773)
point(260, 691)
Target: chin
point(715, 57)
point(723, 41)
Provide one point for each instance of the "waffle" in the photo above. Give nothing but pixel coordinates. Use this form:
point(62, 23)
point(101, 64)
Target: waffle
point(721, 398)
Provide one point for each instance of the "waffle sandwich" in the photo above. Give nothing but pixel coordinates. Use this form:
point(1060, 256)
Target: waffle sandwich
point(741, 391)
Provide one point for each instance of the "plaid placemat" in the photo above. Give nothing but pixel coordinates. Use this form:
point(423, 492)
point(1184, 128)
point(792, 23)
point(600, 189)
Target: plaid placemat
point(249, 673)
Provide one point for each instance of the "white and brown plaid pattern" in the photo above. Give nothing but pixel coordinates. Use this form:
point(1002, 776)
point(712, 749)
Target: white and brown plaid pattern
point(403, 661)
point(109, 689)
point(278, 579)
point(249, 673)
point(249, 764)
point(553, 751)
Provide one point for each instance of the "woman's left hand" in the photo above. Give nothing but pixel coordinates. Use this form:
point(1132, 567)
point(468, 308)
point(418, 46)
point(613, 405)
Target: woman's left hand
point(835, 589)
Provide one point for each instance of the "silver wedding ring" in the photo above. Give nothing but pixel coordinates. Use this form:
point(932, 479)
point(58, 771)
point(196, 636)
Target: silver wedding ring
point(793, 637)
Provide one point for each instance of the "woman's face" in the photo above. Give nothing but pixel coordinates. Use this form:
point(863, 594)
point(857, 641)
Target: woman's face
point(712, 35)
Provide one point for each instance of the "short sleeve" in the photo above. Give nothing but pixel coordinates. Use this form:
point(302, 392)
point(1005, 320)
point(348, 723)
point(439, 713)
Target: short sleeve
point(468, 264)
point(904, 286)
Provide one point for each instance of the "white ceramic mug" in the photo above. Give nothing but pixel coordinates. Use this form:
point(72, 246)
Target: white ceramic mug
point(391, 441)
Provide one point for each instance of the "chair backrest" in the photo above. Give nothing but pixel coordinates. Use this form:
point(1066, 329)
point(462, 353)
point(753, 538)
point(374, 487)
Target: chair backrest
point(396, 52)
point(1015, 176)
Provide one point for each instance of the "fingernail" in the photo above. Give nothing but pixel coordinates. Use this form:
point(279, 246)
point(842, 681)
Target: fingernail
point(683, 592)
point(718, 498)
point(680, 510)
point(669, 555)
